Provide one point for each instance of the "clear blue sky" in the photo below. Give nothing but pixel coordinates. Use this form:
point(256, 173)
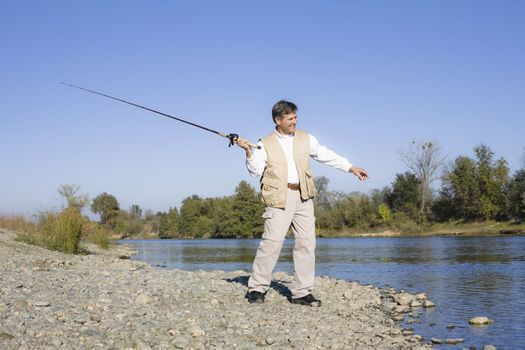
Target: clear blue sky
point(368, 77)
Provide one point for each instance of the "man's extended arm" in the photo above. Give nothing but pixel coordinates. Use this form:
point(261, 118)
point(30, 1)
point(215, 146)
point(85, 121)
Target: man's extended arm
point(326, 156)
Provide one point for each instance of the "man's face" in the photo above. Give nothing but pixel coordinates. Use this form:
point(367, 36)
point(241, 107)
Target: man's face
point(286, 124)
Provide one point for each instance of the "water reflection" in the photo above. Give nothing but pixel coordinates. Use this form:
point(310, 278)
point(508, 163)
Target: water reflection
point(464, 276)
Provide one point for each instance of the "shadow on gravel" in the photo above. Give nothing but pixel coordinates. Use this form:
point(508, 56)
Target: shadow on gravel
point(278, 286)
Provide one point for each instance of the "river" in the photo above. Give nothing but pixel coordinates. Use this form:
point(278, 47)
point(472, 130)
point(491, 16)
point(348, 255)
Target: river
point(464, 276)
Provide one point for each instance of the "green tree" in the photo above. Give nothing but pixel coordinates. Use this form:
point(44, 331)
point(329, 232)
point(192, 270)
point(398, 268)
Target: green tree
point(226, 223)
point(168, 227)
point(247, 209)
point(492, 177)
point(461, 189)
point(404, 196)
point(195, 219)
point(475, 188)
point(516, 196)
point(107, 207)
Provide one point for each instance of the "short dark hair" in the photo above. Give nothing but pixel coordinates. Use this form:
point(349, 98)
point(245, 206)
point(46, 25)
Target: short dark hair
point(283, 107)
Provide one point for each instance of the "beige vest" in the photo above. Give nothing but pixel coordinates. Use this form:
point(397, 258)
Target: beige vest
point(274, 181)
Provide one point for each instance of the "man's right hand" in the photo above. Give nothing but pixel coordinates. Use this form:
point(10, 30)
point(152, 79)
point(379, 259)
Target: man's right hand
point(242, 143)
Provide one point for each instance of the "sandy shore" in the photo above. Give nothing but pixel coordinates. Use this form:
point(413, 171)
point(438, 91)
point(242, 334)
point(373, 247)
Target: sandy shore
point(102, 300)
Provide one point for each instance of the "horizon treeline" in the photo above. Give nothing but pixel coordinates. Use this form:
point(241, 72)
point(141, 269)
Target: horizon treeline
point(478, 188)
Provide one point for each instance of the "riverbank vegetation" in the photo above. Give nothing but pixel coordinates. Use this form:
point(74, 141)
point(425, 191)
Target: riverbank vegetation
point(476, 195)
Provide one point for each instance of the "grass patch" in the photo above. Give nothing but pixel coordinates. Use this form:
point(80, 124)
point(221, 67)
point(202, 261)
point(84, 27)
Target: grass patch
point(62, 231)
point(56, 231)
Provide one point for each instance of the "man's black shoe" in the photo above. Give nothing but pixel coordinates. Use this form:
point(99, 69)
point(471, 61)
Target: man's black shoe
point(308, 300)
point(255, 297)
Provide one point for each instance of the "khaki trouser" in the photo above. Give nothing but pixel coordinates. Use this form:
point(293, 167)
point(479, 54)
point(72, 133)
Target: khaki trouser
point(300, 215)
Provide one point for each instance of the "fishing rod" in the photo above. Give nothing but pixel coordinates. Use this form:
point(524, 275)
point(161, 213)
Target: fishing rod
point(231, 137)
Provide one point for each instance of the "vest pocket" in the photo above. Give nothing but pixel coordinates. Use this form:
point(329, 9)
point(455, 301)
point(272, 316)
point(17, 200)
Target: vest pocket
point(310, 185)
point(270, 190)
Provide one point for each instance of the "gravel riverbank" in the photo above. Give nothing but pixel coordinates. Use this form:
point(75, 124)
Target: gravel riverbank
point(104, 300)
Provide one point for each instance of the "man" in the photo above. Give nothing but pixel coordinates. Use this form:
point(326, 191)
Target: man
point(287, 189)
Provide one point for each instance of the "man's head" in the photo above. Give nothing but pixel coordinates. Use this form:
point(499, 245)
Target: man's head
point(284, 114)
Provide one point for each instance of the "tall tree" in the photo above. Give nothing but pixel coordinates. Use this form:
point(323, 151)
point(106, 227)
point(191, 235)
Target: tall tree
point(195, 219)
point(168, 227)
point(424, 159)
point(247, 209)
point(474, 188)
point(108, 207)
point(463, 188)
point(516, 196)
point(492, 177)
point(404, 196)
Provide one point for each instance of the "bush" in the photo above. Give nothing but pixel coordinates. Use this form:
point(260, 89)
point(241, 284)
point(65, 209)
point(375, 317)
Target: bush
point(62, 231)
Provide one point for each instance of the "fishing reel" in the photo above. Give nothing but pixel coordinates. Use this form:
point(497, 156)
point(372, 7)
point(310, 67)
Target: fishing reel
point(232, 138)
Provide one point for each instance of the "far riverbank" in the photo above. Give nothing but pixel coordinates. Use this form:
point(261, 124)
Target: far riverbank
point(485, 228)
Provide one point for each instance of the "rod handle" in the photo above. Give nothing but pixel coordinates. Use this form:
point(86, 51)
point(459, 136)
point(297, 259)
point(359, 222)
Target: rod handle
point(233, 137)
point(254, 145)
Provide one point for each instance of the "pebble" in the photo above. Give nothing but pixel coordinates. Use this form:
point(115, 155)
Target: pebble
point(4, 336)
point(415, 303)
point(489, 347)
point(20, 304)
point(114, 303)
point(421, 296)
point(56, 342)
point(428, 303)
point(480, 320)
point(436, 340)
point(347, 295)
point(41, 303)
point(454, 340)
point(142, 299)
point(403, 298)
point(181, 342)
point(95, 318)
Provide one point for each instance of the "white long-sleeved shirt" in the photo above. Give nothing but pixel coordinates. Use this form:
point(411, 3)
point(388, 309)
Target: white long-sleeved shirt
point(257, 162)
